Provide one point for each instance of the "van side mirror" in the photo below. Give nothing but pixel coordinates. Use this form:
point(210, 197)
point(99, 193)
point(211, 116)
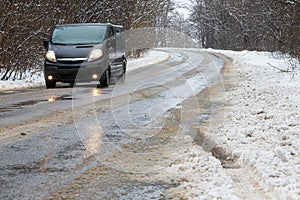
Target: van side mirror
point(46, 43)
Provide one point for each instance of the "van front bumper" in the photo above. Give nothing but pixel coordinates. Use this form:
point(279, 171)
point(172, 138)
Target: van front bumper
point(71, 73)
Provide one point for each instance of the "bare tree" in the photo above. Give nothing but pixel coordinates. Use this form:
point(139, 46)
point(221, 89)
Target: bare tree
point(25, 23)
point(248, 24)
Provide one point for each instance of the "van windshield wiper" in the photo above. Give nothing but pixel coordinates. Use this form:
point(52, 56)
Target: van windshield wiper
point(90, 43)
point(56, 43)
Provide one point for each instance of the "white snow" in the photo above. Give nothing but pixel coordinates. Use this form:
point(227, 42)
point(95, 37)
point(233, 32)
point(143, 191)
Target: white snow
point(149, 58)
point(200, 176)
point(261, 127)
point(263, 121)
point(31, 80)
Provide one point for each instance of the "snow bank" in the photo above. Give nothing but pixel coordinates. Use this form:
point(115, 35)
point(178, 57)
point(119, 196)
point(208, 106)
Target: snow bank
point(262, 122)
point(200, 175)
point(150, 58)
point(261, 128)
point(31, 80)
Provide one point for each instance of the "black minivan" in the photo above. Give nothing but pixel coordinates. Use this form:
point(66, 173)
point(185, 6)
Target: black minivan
point(84, 53)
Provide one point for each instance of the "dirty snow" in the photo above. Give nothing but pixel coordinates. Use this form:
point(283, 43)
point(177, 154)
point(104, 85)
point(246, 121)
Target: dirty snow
point(200, 175)
point(261, 128)
point(263, 121)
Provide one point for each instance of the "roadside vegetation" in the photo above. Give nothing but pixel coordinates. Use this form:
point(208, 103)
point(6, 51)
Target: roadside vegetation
point(235, 24)
point(24, 24)
point(249, 25)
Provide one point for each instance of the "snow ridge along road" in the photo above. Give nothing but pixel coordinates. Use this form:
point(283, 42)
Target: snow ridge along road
point(261, 125)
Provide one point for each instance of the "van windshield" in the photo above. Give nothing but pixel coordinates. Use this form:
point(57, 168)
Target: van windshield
point(78, 34)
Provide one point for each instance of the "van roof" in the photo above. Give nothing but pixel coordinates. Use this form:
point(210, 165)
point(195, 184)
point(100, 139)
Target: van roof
point(91, 24)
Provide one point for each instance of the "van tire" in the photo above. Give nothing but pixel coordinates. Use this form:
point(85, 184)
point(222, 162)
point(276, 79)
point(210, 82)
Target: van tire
point(50, 84)
point(105, 79)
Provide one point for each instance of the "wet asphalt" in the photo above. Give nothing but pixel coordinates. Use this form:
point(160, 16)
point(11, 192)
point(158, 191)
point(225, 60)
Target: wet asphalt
point(51, 139)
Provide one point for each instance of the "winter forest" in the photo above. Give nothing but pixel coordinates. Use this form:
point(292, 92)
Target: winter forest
point(263, 25)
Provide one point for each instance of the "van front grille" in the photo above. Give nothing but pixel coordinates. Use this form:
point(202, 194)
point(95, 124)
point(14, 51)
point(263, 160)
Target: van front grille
point(71, 60)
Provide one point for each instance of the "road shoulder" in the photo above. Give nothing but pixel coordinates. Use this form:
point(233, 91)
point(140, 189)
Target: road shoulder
point(255, 131)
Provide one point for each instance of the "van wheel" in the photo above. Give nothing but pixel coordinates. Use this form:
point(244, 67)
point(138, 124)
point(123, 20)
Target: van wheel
point(105, 79)
point(50, 84)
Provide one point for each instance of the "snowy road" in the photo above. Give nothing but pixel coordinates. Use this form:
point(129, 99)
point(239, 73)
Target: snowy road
point(179, 127)
point(120, 139)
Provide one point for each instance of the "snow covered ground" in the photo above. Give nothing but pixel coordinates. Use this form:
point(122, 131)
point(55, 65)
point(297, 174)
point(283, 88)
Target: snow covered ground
point(31, 80)
point(263, 122)
point(261, 129)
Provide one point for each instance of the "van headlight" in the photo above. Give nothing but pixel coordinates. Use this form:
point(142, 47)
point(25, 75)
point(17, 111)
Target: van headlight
point(50, 55)
point(95, 54)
